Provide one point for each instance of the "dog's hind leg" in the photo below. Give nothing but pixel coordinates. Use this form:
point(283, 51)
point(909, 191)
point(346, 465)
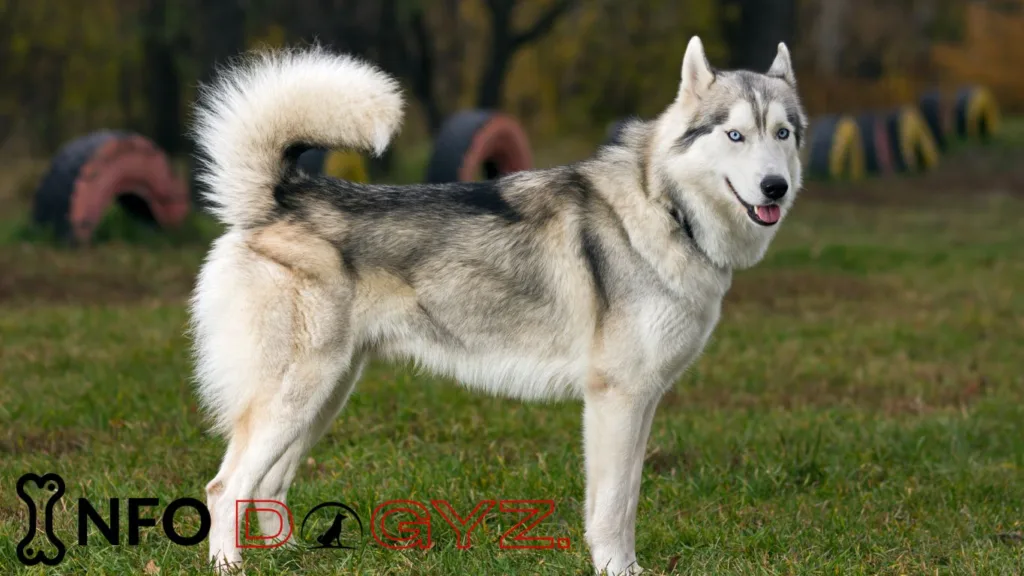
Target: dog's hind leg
point(275, 339)
point(615, 426)
point(277, 481)
point(272, 427)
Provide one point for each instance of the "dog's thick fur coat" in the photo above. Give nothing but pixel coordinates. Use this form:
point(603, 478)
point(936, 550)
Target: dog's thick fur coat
point(600, 281)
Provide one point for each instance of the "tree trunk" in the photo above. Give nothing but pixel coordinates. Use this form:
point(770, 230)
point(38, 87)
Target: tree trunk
point(493, 81)
point(221, 25)
point(829, 39)
point(754, 39)
point(161, 82)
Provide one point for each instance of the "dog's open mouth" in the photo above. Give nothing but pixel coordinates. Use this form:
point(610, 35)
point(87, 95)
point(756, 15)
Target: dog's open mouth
point(767, 215)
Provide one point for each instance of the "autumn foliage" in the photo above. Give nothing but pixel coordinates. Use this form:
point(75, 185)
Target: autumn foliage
point(70, 66)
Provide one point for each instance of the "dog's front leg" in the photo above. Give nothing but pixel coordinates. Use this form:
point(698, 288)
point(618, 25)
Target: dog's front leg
point(615, 427)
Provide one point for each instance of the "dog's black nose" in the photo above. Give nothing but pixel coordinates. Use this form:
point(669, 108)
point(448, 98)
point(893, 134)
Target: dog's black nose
point(774, 187)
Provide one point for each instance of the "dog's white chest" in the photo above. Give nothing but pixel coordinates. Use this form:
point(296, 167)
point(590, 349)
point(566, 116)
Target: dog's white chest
point(678, 328)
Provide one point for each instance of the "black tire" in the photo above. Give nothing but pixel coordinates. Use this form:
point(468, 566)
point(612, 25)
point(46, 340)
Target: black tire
point(821, 146)
point(52, 200)
point(981, 127)
point(892, 128)
point(963, 99)
point(908, 133)
point(931, 106)
point(453, 142)
point(493, 141)
point(312, 161)
point(866, 124)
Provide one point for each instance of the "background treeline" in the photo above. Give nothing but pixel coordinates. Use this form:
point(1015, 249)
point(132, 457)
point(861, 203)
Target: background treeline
point(561, 66)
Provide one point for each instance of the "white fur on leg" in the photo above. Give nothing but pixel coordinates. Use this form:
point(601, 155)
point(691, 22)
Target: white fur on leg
point(638, 467)
point(276, 483)
point(266, 446)
point(277, 417)
point(615, 426)
point(274, 427)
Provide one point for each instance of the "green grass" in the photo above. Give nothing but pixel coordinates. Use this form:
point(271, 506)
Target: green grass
point(860, 409)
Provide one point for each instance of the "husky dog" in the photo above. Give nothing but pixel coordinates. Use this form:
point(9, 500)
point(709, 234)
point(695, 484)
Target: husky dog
point(599, 281)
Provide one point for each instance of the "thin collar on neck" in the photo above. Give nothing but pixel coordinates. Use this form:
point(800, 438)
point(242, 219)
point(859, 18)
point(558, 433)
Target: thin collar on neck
point(684, 223)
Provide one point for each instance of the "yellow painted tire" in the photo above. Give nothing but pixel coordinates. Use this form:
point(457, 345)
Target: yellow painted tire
point(346, 165)
point(976, 113)
point(913, 146)
point(342, 164)
point(836, 150)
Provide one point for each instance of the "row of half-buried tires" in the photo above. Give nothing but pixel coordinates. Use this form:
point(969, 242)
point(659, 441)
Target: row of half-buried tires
point(91, 173)
point(907, 139)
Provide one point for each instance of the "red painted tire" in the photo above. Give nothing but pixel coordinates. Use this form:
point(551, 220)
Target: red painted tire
point(91, 172)
point(475, 139)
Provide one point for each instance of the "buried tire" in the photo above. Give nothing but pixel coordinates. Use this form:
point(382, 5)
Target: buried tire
point(877, 147)
point(478, 140)
point(976, 114)
point(913, 148)
point(836, 150)
point(89, 173)
point(935, 111)
point(342, 164)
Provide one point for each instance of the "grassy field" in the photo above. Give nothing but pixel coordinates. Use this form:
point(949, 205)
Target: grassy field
point(860, 409)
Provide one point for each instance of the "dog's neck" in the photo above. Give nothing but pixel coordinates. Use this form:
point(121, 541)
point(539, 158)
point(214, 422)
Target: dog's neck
point(678, 214)
point(654, 185)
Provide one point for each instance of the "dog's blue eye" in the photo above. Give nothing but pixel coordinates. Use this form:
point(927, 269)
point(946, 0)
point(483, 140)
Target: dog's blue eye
point(783, 133)
point(734, 136)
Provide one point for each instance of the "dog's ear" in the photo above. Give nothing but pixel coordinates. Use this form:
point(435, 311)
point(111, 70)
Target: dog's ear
point(697, 72)
point(782, 67)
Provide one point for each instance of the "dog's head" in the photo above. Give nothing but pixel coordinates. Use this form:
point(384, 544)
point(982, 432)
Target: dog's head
point(729, 150)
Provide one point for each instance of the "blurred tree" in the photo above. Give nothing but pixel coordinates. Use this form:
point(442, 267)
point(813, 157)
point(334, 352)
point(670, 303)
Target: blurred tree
point(756, 28)
point(505, 42)
point(162, 83)
point(221, 27)
point(988, 51)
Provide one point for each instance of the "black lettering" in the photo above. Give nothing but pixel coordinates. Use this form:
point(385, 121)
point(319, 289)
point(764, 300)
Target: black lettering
point(204, 522)
point(110, 530)
point(134, 522)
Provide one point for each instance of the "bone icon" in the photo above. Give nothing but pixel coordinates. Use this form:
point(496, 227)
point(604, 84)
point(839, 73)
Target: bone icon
point(31, 549)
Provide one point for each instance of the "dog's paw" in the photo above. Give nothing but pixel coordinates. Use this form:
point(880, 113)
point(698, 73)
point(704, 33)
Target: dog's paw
point(229, 569)
point(617, 565)
point(223, 566)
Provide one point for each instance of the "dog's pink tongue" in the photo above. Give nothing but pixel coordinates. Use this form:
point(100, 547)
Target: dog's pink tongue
point(768, 214)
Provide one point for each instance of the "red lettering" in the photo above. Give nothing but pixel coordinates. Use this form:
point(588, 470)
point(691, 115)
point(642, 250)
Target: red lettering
point(518, 506)
point(448, 513)
point(249, 535)
point(413, 540)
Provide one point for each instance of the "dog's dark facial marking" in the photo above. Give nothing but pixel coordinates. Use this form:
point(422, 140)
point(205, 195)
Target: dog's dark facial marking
point(793, 116)
point(701, 127)
point(754, 94)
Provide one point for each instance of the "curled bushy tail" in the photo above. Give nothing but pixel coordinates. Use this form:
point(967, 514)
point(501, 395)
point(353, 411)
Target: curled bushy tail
point(272, 100)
